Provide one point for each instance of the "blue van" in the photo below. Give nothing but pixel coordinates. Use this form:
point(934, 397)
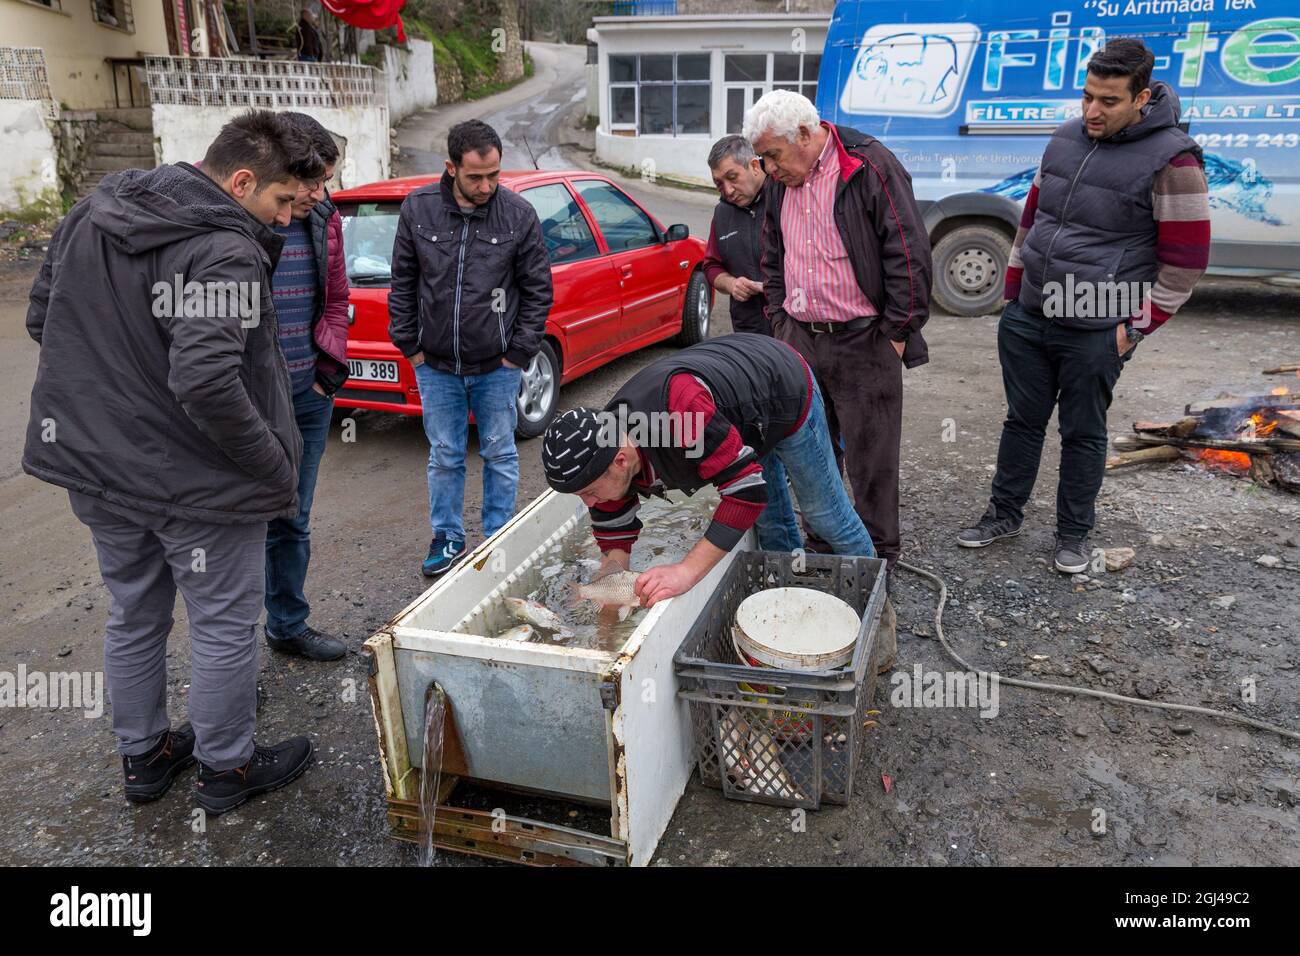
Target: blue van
point(966, 92)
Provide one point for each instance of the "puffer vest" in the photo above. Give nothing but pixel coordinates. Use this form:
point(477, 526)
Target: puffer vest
point(759, 385)
point(1095, 226)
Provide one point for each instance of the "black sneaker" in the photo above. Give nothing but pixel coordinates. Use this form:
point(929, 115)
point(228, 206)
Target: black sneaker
point(989, 529)
point(149, 775)
point(1072, 555)
point(442, 555)
point(311, 644)
point(270, 768)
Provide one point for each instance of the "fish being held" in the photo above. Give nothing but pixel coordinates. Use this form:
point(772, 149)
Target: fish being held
point(530, 612)
point(613, 590)
point(523, 632)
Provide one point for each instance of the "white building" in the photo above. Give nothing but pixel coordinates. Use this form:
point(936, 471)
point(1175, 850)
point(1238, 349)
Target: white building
point(668, 87)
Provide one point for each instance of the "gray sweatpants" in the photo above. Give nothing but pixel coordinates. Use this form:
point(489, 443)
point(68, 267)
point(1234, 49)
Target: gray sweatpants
point(220, 571)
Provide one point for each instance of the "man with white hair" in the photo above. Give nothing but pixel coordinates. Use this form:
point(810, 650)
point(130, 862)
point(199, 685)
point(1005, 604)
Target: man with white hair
point(846, 278)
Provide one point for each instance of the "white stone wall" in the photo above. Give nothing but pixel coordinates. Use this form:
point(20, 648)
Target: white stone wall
point(410, 78)
point(184, 132)
point(29, 175)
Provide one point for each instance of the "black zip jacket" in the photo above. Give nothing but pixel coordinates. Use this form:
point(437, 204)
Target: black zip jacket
point(735, 247)
point(447, 268)
point(149, 395)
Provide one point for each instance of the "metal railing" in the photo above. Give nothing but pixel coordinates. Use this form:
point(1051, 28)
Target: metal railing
point(23, 77)
point(267, 84)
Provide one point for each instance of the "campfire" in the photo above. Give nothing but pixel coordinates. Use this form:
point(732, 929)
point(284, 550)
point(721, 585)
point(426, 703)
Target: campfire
point(1244, 434)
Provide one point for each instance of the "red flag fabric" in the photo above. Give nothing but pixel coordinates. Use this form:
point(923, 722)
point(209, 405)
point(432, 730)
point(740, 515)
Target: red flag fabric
point(369, 14)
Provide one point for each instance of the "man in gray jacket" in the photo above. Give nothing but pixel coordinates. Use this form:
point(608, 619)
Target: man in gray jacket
point(162, 404)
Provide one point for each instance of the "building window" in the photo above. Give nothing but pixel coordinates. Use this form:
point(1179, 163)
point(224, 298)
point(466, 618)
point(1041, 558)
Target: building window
point(54, 5)
point(113, 13)
point(747, 76)
point(666, 94)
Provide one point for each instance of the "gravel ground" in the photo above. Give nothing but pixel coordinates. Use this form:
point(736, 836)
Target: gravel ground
point(1191, 619)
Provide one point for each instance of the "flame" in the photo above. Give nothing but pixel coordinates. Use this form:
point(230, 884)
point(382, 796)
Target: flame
point(1282, 389)
point(1224, 460)
point(1256, 426)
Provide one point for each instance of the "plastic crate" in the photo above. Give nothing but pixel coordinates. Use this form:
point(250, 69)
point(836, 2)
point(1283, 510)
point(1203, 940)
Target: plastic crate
point(773, 736)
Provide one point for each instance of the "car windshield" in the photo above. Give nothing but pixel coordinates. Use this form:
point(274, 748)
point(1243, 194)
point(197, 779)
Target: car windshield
point(368, 231)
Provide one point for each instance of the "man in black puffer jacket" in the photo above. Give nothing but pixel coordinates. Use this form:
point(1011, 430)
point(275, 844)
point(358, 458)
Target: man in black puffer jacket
point(162, 404)
point(471, 289)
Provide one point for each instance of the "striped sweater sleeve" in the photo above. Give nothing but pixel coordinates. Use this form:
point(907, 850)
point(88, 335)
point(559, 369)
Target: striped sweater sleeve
point(1015, 264)
point(614, 524)
point(1181, 201)
point(725, 460)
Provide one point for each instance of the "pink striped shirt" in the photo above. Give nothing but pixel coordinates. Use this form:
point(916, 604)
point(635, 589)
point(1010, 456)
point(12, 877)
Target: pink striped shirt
point(819, 282)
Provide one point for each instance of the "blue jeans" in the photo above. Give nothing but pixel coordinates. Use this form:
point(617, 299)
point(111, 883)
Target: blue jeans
point(288, 540)
point(447, 400)
point(809, 459)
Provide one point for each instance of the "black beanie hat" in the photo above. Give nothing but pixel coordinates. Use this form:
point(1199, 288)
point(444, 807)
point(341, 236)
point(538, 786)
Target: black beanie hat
point(573, 451)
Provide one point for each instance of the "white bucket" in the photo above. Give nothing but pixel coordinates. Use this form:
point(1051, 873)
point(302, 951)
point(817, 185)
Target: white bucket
point(795, 629)
point(792, 629)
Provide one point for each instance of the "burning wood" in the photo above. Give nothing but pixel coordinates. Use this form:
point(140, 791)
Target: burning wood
point(1256, 435)
point(1224, 460)
point(1143, 456)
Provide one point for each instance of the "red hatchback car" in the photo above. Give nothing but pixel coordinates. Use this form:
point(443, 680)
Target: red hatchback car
point(622, 282)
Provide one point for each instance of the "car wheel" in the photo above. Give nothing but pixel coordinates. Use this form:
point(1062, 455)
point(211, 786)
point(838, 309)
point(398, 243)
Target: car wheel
point(970, 265)
point(539, 390)
point(695, 313)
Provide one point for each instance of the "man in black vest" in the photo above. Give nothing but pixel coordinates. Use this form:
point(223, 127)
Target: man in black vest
point(731, 258)
point(1100, 260)
point(721, 406)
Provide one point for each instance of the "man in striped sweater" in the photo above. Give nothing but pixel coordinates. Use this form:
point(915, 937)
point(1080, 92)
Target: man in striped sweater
point(707, 415)
point(1114, 236)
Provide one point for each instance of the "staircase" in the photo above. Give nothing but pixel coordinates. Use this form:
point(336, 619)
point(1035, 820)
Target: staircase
point(123, 139)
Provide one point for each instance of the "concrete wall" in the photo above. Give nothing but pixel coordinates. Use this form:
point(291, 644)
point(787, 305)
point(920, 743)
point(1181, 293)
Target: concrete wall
point(29, 175)
point(184, 132)
point(75, 45)
point(686, 156)
point(411, 79)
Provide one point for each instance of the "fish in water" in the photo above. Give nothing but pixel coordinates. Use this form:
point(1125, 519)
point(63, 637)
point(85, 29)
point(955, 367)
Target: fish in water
point(523, 632)
point(613, 590)
point(530, 612)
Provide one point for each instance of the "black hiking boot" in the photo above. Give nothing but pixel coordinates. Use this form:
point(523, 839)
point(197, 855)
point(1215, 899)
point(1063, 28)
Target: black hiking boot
point(149, 775)
point(270, 768)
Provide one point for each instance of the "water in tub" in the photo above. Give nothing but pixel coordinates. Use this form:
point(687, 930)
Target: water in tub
point(670, 529)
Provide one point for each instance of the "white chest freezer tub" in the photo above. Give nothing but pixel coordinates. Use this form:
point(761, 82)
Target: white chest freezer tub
point(584, 725)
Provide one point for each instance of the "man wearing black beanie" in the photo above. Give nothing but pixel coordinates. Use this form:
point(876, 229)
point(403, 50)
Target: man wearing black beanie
point(708, 414)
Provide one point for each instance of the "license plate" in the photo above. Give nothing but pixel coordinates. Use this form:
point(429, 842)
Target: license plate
point(372, 370)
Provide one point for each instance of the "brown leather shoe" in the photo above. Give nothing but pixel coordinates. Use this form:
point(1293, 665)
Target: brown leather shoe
point(887, 635)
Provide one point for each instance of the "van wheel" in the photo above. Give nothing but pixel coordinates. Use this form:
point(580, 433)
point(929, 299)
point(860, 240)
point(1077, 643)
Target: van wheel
point(695, 313)
point(970, 264)
point(539, 392)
